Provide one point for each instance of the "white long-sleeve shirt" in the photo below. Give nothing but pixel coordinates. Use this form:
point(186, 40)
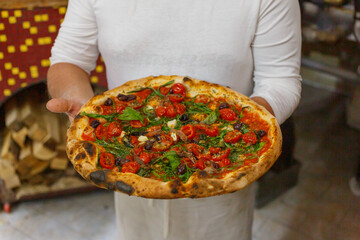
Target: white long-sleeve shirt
point(252, 46)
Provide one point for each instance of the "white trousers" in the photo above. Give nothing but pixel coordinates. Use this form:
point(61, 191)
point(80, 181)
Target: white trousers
point(225, 217)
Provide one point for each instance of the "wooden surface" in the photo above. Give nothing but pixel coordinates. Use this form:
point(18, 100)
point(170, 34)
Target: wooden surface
point(15, 4)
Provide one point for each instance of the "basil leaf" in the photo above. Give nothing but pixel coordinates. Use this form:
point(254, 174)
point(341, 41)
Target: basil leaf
point(259, 146)
point(109, 117)
point(130, 114)
point(211, 118)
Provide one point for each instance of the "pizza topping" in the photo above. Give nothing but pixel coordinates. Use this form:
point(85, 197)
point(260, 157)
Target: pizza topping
point(107, 160)
point(162, 133)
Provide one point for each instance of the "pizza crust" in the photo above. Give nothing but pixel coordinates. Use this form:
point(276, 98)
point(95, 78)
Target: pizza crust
point(83, 154)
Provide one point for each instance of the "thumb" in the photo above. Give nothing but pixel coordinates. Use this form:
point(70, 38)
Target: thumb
point(58, 105)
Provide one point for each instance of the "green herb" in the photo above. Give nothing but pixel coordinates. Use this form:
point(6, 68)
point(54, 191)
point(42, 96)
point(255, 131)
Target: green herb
point(194, 108)
point(114, 147)
point(144, 172)
point(109, 118)
point(156, 91)
point(130, 114)
point(211, 118)
point(187, 174)
point(241, 115)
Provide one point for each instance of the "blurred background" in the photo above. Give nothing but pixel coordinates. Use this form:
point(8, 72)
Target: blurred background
point(312, 192)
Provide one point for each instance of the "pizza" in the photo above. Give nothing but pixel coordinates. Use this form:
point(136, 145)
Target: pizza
point(172, 137)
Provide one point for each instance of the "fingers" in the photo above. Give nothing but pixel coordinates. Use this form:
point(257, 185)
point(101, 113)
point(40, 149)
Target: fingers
point(58, 105)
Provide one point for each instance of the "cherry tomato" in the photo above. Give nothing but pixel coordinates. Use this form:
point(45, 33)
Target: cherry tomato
point(228, 114)
point(250, 137)
point(224, 162)
point(101, 131)
point(106, 110)
point(221, 155)
point(138, 123)
point(170, 112)
point(114, 129)
point(135, 104)
point(143, 94)
point(188, 130)
point(107, 160)
point(160, 111)
point(130, 167)
point(176, 97)
point(164, 90)
point(88, 134)
point(202, 98)
point(119, 108)
point(178, 88)
point(164, 144)
point(212, 131)
point(200, 164)
point(146, 157)
point(214, 150)
point(194, 148)
point(134, 141)
point(138, 150)
point(232, 136)
point(180, 108)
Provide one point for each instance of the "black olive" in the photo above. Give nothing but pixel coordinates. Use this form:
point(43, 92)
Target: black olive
point(137, 134)
point(108, 102)
point(121, 161)
point(157, 137)
point(184, 117)
point(171, 91)
point(148, 145)
point(122, 97)
point(193, 141)
point(215, 165)
point(261, 133)
point(181, 169)
point(238, 125)
point(223, 105)
point(94, 123)
point(130, 97)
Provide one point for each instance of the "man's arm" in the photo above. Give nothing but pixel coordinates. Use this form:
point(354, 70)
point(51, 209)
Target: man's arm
point(69, 87)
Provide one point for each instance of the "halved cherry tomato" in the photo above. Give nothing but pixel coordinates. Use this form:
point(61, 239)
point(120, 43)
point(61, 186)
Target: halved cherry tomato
point(188, 130)
point(224, 162)
point(119, 108)
point(101, 131)
point(143, 94)
point(250, 137)
point(200, 164)
point(178, 88)
point(106, 110)
point(130, 167)
point(164, 144)
point(138, 123)
point(134, 141)
point(146, 157)
point(176, 97)
point(170, 111)
point(88, 134)
point(137, 150)
point(107, 160)
point(228, 114)
point(114, 129)
point(164, 90)
point(202, 98)
point(232, 136)
point(221, 155)
point(214, 150)
point(160, 111)
point(180, 108)
point(194, 148)
point(212, 131)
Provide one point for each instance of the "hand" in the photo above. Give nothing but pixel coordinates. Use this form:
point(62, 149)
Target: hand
point(68, 106)
point(263, 103)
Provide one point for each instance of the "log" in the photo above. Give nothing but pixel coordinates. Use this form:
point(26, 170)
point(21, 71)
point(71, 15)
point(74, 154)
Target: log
point(11, 114)
point(8, 174)
point(37, 132)
point(42, 152)
point(10, 150)
point(59, 163)
point(20, 136)
point(28, 112)
point(53, 136)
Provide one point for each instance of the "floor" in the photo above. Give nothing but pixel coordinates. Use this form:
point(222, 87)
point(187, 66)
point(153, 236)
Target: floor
point(320, 207)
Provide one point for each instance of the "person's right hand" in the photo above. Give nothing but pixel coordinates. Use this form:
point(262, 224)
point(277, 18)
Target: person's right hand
point(68, 106)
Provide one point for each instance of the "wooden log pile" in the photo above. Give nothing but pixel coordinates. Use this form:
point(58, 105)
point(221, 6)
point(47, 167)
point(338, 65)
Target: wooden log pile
point(33, 148)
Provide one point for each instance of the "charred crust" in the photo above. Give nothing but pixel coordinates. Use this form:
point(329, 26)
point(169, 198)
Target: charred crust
point(125, 188)
point(110, 186)
point(78, 117)
point(193, 196)
point(195, 186)
point(240, 176)
point(186, 79)
point(98, 177)
point(89, 148)
point(71, 151)
point(174, 191)
point(203, 174)
point(80, 156)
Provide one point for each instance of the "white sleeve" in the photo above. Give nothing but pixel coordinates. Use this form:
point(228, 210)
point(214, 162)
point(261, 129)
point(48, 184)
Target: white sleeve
point(77, 41)
point(277, 56)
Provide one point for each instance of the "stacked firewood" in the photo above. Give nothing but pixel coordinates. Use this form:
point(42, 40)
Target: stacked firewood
point(33, 147)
